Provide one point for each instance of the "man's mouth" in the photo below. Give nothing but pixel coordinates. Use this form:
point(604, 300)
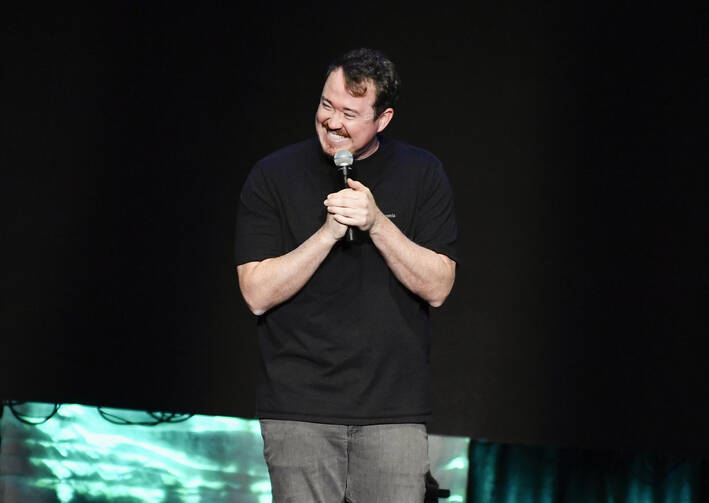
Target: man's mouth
point(336, 137)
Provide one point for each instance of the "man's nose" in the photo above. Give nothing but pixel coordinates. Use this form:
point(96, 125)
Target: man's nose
point(335, 120)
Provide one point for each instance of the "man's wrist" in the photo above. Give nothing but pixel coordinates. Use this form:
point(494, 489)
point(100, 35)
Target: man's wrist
point(377, 223)
point(325, 236)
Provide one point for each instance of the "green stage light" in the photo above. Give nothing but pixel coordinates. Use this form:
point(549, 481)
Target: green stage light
point(79, 455)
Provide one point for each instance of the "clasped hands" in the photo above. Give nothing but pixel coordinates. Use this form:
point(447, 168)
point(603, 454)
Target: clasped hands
point(352, 207)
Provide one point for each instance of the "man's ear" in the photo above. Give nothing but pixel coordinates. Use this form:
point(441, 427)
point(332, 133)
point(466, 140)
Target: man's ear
point(384, 119)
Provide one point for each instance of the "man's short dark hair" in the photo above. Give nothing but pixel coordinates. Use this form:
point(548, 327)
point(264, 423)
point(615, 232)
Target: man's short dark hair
point(362, 65)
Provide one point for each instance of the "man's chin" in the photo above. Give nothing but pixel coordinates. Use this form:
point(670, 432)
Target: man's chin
point(330, 148)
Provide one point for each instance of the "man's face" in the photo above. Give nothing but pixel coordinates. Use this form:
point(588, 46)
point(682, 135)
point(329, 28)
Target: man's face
point(344, 121)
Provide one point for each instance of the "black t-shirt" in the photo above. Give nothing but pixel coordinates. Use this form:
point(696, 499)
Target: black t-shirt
point(352, 346)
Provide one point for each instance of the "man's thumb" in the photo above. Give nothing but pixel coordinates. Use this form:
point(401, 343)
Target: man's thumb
point(354, 184)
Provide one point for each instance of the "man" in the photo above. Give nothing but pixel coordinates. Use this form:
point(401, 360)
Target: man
point(344, 326)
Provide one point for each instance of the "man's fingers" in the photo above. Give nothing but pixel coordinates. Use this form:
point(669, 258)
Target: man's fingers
point(346, 211)
point(343, 192)
point(345, 198)
point(349, 221)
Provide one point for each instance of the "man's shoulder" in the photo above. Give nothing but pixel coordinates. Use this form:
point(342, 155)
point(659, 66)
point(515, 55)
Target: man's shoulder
point(412, 161)
point(289, 156)
point(412, 154)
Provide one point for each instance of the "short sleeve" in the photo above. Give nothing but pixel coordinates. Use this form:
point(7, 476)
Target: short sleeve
point(435, 225)
point(258, 221)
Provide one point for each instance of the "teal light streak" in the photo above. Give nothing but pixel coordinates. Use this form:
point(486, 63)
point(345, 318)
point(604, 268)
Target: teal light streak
point(260, 487)
point(100, 490)
point(459, 463)
point(65, 492)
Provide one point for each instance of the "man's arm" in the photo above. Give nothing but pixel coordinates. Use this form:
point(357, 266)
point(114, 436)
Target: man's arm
point(428, 274)
point(267, 283)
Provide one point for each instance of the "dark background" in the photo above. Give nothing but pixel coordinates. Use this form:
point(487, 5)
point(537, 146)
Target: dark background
point(575, 140)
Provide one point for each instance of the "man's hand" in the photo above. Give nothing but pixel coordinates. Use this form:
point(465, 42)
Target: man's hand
point(354, 207)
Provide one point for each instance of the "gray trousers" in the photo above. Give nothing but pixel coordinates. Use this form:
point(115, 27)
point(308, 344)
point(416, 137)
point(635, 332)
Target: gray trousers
point(330, 463)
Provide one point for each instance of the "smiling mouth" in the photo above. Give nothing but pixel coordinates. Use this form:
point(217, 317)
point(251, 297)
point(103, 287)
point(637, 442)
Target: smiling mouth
point(335, 137)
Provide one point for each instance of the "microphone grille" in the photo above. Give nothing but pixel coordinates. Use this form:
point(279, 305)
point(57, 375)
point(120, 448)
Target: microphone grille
point(343, 158)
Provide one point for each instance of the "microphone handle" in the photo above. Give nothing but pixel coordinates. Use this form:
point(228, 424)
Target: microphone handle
point(349, 235)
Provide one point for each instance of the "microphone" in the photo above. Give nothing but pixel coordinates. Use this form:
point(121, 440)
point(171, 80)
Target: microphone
point(343, 160)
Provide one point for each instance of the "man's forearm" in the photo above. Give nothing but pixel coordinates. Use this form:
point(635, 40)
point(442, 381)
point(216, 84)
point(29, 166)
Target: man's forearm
point(267, 283)
point(426, 273)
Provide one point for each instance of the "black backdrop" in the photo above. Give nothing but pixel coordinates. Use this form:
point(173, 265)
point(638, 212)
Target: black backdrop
point(574, 140)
